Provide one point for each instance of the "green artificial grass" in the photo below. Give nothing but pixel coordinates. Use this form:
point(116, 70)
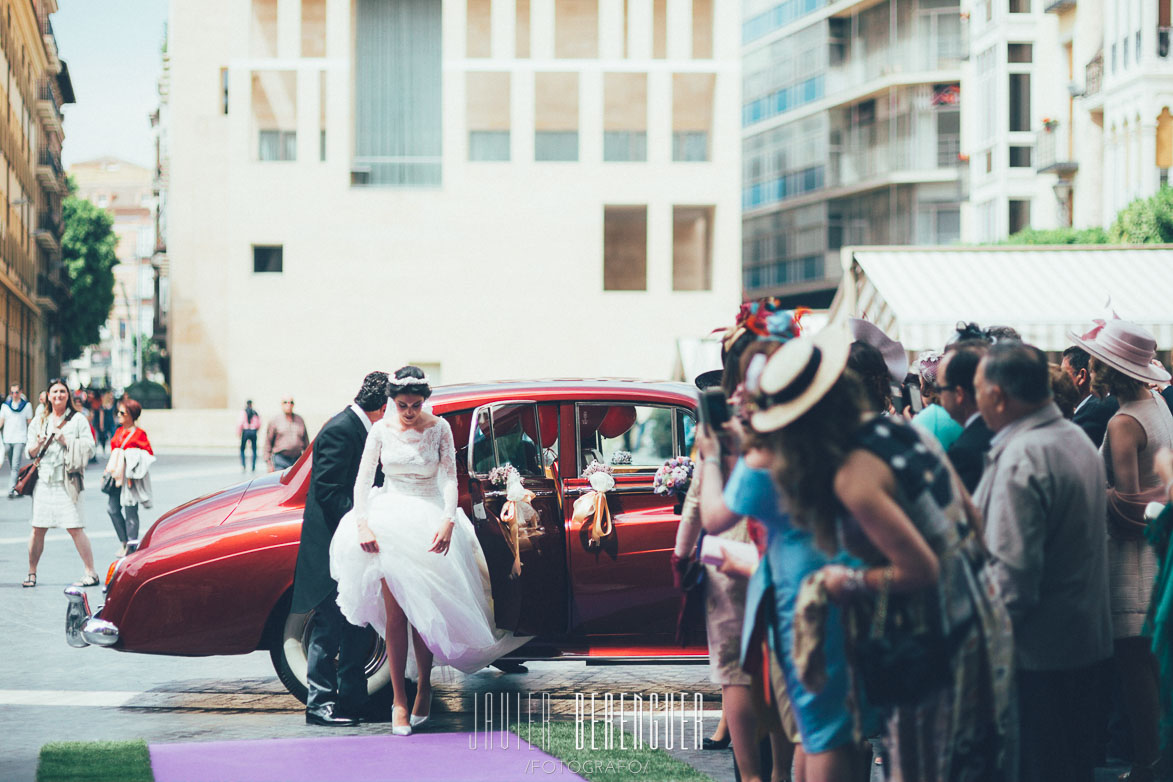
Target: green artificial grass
point(95, 761)
point(613, 765)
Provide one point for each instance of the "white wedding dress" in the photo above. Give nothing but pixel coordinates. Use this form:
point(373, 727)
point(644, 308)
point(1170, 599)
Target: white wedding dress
point(446, 598)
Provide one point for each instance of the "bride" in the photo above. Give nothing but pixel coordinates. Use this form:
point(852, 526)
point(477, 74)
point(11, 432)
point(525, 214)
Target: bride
point(406, 555)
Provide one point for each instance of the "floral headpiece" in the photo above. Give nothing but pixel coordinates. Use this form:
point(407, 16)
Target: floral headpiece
point(765, 319)
point(926, 366)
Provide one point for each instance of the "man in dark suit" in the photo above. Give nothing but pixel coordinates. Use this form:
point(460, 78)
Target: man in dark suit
point(955, 385)
point(335, 695)
point(1092, 413)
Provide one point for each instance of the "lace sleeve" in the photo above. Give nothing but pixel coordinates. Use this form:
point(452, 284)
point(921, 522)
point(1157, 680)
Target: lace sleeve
point(446, 475)
point(366, 472)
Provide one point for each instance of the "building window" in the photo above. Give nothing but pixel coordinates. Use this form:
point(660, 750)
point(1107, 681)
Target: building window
point(480, 28)
point(488, 116)
point(1019, 102)
point(522, 29)
point(1019, 215)
point(576, 29)
point(322, 116)
point(692, 248)
point(702, 29)
point(1020, 157)
point(263, 32)
point(556, 117)
point(1019, 52)
point(659, 29)
point(625, 117)
point(223, 90)
point(397, 96)
point(267, 258)
point(625, 248)
point(692, 115)
point(1020, 6)
point(313, 28)
point(274, 101)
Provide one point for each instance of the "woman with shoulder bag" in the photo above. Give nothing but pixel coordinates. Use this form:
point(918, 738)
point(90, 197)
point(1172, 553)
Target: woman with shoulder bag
point(61, 443)
point(127, 480)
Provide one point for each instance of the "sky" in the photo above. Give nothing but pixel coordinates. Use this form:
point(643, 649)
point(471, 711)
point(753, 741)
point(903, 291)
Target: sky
point(113, 49)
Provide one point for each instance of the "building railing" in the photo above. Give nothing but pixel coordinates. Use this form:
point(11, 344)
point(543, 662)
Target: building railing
point(48, 221)
point(47, 157)
point(1053, 149)
point(1058, 5)
point(938, 53)
point(46, 92)
point(1093, 76)
point(856, 162)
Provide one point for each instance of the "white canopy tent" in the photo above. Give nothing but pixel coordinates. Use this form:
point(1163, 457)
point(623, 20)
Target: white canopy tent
point(918, 294)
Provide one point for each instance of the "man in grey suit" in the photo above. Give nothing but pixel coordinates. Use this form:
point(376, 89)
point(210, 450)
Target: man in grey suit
point(1043, 496)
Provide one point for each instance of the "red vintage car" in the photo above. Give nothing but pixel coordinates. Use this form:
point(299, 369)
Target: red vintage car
point(215, 576)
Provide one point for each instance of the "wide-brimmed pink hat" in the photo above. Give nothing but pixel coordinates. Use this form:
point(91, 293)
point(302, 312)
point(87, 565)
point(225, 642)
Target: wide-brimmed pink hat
point(1124, 346)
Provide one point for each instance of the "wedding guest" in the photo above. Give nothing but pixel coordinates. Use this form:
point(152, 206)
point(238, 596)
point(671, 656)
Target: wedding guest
point(1091, 412)
point(1121, 365)
point(955, 386)
point(131, 457)
point(1063, 391)
point(885, 491)
point(62, 440)
point(15, 415)
point(1158, 623)
point(286, 438)
point(1044, 503)
point(933, 418)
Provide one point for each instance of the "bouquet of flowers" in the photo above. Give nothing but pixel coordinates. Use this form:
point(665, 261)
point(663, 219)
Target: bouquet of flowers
point(674, 476)
point(499, 476)
point(621, 457)
point(600, 475)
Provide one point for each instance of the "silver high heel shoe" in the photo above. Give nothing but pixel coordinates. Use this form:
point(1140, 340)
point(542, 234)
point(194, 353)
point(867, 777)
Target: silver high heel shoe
point(417, 720)
point(399, 730)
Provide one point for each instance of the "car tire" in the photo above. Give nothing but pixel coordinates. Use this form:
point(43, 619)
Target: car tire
point(289, 660)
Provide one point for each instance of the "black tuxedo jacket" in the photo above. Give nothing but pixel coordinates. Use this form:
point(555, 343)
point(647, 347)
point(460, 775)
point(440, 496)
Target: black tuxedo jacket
point(337, 451)
point(1093, 417)
point(968, 453)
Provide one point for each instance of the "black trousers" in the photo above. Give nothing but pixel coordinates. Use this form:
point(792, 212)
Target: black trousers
point(330, 635)
point(1057, 713)
point(248, 437)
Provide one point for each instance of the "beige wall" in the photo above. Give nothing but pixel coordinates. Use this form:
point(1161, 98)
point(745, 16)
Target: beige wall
point(496, 274)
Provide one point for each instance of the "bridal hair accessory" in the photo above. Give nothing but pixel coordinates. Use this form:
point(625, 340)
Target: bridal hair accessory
point(591, 510)
point(408, 381)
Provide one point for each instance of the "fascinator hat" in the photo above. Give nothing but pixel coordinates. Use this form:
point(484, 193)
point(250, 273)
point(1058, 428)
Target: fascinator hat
point(1124, 346)
point(797, 376)
point(892, 351)
point(761, 319)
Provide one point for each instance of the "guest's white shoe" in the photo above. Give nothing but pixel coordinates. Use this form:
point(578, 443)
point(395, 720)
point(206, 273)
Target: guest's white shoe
point(399, 730)
point(417, 720)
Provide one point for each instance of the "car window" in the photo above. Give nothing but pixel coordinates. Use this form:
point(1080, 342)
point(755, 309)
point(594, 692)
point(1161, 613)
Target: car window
point(631, 438)
point(685, 432)
point(507, 434)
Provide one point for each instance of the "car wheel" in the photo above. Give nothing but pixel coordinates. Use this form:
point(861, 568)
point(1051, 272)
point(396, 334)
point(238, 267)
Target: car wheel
point(289, 659)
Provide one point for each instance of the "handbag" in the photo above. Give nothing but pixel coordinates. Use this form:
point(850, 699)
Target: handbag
point(690, 578)
point(899, 645)
point(110, 487)
point(26, 478)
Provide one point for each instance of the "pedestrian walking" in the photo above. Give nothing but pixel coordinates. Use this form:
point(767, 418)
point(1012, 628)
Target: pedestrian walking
point(1044, 501)
point(126, 480)
point(15, 414)
point(1121, 365)
point(286, 438)
point(106, 419)
point(247, 428)
point(62, 443)
point(884, 489)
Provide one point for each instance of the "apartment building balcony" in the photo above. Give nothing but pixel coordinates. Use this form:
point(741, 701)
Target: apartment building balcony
point(49, 172)
point(49, 106)
point(1054, 150)
point(1093, 83)
point(933, 62)
point(50, 41)
point(48, 233)
point(1058, 6)
point(859, 164)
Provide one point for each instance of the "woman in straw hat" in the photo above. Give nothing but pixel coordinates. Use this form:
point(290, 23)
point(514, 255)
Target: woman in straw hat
point(1121, 365)
point(887, 493)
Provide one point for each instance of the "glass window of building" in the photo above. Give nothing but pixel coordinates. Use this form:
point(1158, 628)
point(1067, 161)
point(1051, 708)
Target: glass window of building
point(1020, 156)
point(692, 115)
point(488, 116)
point(263, 29)
point(1019, 102)
point(659, 29)
point(556, 116)
point(702, 29)
point(397, 95)
point(692, 248)
point(1019, 215)
point(267, 259)
point(313, 28)
point(625, 117)
point(521, 28)
point(576, 29)
point(479, 28)
point(625, 248)
point(1020, 6)
point(322, 115)
point(1019, 52)
point(274, 111)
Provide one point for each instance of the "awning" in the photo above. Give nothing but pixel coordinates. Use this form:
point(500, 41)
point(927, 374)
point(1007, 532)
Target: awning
point(918, 294)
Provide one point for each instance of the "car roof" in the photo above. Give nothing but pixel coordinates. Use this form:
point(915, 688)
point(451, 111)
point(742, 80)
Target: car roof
point(450, 397)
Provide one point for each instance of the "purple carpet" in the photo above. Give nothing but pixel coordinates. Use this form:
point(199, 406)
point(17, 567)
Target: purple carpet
point(423, 757)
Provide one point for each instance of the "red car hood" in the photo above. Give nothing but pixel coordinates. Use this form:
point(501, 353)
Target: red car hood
point(211, 510)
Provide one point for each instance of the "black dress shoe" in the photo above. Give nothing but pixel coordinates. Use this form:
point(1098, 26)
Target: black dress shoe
point(325, 716)
point(711, 744)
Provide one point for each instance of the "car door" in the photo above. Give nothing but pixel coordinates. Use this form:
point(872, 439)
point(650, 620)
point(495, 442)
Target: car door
point(622, 592)
point(523, 434)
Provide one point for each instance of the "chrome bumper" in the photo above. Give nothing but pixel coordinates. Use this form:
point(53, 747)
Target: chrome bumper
point(82, 629)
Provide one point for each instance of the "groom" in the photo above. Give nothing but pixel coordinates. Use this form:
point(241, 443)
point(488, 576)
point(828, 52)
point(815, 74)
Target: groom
point(335, 695)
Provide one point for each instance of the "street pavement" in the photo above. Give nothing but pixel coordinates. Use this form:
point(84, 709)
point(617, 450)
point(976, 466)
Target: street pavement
point(50, 691)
